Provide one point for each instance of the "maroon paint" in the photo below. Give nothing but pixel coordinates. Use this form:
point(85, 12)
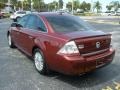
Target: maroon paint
point(51, 42)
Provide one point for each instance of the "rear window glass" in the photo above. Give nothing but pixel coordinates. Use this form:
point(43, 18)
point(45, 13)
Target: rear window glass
point(68, 23)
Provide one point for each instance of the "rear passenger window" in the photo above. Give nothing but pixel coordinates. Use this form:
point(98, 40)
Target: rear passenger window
point(41, 25)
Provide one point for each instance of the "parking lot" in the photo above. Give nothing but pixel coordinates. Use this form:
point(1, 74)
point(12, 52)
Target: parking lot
point(17, 71)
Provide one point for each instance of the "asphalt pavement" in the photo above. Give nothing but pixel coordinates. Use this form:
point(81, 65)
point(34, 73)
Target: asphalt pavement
point(17, 71)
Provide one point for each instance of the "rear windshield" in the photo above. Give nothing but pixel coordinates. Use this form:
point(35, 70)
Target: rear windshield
point(68, 23)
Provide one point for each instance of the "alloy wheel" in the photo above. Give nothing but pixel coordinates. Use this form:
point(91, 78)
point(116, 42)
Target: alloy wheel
point(39, 62)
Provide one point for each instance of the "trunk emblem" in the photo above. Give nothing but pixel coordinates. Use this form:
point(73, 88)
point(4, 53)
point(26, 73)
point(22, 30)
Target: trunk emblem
point(97, 44)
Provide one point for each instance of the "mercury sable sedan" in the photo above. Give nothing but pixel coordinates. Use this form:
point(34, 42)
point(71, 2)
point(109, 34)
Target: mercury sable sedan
point(61, 42)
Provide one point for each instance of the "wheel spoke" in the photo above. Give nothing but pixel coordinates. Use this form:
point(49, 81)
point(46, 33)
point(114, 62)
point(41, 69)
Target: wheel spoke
point(38, 61)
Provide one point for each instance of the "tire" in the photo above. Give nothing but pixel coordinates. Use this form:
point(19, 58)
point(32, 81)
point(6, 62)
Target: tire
point(39, 62)
point(10, 43)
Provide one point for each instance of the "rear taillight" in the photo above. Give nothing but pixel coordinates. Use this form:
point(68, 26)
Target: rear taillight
point(69, 48)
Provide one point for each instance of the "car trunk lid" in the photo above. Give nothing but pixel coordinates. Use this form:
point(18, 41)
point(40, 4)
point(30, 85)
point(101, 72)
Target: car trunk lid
point(91, 41)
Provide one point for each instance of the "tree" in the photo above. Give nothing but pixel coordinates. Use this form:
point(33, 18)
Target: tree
point(85, 6)
point(115, 5)
point(3, 1)
point(2, 4)
point(53, 6)
point(97, 6)
point(27, 5)
point(109, 7)
point(88, 6)
point(60, 4)
point(39, 5)
point(76, 4)
point(69, 6)
point(55, 3)
point(19, 5)
point(14, 4)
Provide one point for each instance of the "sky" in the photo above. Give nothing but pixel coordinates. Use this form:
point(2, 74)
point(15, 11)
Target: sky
point(103, 2)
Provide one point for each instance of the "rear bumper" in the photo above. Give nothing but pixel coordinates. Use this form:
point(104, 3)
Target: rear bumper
point(76, 65)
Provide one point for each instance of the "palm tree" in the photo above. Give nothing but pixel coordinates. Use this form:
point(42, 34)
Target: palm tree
point(76, 4)
point(14, 3)
point(97, 6)
point(2, 4)
point(69, 6)
point(39, 5)
point(115, 5)
point(3, 1)
point(109, 7)
point(60, 4)
point(85, 6)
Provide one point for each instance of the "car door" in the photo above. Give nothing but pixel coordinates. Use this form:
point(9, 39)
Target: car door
point(15, 31)
point(30, 32)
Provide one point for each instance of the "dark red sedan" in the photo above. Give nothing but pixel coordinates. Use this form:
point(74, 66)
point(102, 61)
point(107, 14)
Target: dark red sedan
point(61, 42)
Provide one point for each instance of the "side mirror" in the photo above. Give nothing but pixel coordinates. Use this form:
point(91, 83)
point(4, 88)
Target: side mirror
point(14, 20)
point(16, 25)
point(17, 19)
point(13, 25)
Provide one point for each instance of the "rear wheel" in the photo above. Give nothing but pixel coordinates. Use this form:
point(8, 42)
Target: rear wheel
point(10, 43)
point(39, 61)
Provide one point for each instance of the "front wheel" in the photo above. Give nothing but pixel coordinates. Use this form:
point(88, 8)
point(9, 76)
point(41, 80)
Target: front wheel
point(39, 61)
point(10, 43)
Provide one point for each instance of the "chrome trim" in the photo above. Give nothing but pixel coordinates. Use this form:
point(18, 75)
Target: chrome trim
point(97, 44)
point(97, 52)
point(44, 24)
